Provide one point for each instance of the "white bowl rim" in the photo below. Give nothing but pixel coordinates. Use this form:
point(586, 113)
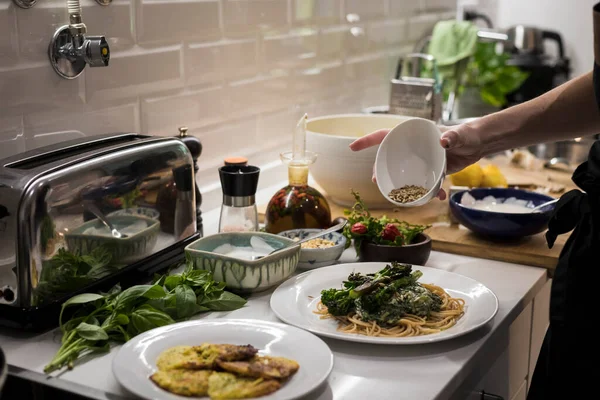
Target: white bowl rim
point(369, 116)
point(441, 175)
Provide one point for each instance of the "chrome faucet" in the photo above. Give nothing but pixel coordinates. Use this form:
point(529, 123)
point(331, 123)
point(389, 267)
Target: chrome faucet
point(71, 49)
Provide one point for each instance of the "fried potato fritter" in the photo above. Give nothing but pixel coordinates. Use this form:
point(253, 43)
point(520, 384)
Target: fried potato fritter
point(262, 367)
point(223, 386)
point(204, 356)
point(183, 382)
point(197, 371)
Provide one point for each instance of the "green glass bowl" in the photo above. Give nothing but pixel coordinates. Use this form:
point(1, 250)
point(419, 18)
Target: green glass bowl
point(240, 274)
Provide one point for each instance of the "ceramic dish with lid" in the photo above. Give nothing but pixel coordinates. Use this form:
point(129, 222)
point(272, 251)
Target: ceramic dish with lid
point(317, 257)
point(411, 155)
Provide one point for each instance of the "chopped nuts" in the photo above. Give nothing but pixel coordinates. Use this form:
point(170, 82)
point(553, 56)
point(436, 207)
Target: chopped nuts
point(407, 194)
point(317, 244)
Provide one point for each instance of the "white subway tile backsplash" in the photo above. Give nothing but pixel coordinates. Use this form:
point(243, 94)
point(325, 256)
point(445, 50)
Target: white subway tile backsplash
point(217, 142)
point(294, 50)
point(120, 117)
point(316, 11)
point(203, 64)
point(194, 109)
point(8, 37)
point(406, 8)
point(365, 10)
point(437, 5)
point(421, 25)
point(134, 73)
point(239, 59)
point(239, 73)
point(36, 87)
point(331, 43)
point(113, 21)
point(243, 17)
point(318, 82)
point(35, 27)
point(262, 94)
point(173, 21)
point(356, 42)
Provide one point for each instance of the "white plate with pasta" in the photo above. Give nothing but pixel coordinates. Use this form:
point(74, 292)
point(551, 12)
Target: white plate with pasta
point(384, 303)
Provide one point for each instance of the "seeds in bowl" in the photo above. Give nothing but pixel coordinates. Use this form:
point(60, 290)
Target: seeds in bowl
point(407, 194)
point(316, 243)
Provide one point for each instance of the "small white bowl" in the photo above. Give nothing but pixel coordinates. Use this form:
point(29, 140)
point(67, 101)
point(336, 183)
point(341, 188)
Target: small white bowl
point(411, 154)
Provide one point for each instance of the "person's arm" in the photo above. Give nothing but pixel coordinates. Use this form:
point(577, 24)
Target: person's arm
point(566, 112)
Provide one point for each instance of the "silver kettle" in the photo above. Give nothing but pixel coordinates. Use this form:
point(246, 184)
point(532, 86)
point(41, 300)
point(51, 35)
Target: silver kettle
point(529, 40)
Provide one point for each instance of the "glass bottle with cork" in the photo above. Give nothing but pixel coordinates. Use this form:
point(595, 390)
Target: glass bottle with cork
point(298, 205)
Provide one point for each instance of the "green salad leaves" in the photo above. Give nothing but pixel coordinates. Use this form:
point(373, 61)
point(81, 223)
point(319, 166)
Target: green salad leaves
point(117, 316)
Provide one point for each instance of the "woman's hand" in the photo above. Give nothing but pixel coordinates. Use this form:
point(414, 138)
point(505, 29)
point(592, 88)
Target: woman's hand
point(462, 144)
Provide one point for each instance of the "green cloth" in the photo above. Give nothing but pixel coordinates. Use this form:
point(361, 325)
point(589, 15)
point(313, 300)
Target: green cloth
point(451, 42)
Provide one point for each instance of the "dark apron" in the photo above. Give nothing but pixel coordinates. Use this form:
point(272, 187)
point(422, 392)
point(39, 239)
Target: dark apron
point(568, 366)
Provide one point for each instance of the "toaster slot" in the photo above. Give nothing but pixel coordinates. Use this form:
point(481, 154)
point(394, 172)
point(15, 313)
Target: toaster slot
point(57, 154)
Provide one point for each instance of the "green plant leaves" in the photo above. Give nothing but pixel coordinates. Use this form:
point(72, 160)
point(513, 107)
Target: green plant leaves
point(91, 332)
point(146, 317)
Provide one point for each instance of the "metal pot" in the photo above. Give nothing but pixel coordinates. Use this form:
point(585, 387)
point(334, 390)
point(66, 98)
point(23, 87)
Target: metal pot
point(570, 152)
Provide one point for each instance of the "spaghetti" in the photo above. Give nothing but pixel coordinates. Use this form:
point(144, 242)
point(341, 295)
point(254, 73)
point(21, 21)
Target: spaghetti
point(451, 310)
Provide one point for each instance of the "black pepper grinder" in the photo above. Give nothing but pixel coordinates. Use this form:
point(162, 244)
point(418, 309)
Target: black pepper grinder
point(195, 147)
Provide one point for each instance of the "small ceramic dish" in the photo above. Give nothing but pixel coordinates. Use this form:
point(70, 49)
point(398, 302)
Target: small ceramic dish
point(237, 270)
point(319, 257)
point(137, 211)
point(416, 253)
point(124, 250)
point(502, 225)
point(411, 154)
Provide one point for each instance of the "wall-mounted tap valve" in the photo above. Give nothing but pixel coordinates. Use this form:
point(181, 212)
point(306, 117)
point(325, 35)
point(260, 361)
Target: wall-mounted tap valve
point(71, 49)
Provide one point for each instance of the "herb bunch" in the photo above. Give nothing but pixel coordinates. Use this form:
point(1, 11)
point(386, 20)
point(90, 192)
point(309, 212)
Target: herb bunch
point(362, 227)
point(119, 315)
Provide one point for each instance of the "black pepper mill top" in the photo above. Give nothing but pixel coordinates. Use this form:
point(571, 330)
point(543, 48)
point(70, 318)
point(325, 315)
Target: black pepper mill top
point(195, 147)
point(239, 180)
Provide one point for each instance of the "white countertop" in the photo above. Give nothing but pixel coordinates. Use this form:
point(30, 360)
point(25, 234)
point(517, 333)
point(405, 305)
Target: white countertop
point(430, 371)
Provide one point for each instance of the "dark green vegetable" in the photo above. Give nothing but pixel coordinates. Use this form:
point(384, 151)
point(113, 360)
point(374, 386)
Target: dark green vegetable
point(383, 297)
point(117, 316)
point(66, 272)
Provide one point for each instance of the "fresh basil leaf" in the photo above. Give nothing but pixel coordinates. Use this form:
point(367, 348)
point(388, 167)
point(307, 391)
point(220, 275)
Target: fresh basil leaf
point(186, 301)
point(145, 318)
point(91, 332)
point(134, 293)
point(82, 299)
point(227, 301)
point(198, 277)
point(172, 281)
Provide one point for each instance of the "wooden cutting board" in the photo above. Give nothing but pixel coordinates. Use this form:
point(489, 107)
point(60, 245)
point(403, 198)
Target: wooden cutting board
point(453, 238)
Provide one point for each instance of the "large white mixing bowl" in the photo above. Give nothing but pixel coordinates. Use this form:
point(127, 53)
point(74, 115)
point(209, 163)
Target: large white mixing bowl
point(339, 169)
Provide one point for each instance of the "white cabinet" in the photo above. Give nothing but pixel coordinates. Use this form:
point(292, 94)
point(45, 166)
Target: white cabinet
point(510, 374)
point(539, 325)
point(522, 392)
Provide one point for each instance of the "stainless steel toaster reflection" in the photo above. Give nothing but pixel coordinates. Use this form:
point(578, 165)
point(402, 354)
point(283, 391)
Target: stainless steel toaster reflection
point(77, 212)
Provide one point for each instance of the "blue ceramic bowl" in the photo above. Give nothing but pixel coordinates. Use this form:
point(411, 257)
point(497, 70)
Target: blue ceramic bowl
point(316, 258)
point(499, 224)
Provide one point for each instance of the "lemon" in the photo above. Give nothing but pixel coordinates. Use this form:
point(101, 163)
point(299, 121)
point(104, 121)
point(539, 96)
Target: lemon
point(493, 177)
point(471, 176)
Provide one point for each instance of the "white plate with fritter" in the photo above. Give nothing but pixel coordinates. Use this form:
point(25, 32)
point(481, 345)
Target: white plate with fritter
point(295, 302)
point(135, 364)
